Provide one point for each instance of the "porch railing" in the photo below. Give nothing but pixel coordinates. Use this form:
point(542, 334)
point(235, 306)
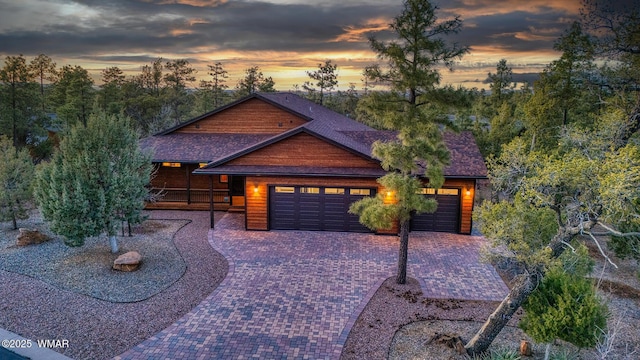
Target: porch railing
point(220, 196)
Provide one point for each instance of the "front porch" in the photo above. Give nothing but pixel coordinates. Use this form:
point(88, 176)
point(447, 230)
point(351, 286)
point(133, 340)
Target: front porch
point(175, 188)
point(189, 199)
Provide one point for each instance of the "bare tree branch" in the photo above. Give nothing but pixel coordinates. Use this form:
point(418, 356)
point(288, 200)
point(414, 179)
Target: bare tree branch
point(611, 231)
point(600, 249)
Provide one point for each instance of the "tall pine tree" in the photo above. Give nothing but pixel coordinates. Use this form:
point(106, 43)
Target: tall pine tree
point(419, 151)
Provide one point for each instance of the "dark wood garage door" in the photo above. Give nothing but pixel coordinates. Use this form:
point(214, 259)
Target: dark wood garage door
point(447, 216)
point(315, 208)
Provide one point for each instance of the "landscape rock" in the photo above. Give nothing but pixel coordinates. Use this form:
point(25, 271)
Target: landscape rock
point(31, 237)
point(525, 348)
point(128, 261)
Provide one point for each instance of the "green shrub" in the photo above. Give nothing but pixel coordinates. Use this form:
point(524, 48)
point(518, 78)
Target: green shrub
point(565, 306)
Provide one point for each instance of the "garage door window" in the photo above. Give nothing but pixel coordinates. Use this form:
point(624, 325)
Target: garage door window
point(334, 191)
point(285, 189)
point(361, 192)
point(448, 191)
point(427, 191)
point(309, 190)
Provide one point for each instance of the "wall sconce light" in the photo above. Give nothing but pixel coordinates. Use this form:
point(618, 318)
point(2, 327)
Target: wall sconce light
point(468, 192)
point(255, 189)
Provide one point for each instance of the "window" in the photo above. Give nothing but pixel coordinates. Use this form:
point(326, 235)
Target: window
point(171, 164)
point(285, 189)
point(309, 190)
point(362, 192)
point(448, 191)
point(224, 178)
point(334, 191)
point(427, 191)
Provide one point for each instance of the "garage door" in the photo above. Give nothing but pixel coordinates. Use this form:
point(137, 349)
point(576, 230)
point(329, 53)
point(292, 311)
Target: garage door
point(315, 208)
point(447, 216)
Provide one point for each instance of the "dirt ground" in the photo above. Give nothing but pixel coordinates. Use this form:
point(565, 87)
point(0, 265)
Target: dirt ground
point(399, 323)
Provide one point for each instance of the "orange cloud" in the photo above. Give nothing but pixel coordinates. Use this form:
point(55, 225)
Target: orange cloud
point(355, 33)
point(179, 32)
point(473, 8)
point(198, 21)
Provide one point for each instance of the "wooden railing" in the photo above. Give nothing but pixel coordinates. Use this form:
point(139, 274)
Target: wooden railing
point(220, 196)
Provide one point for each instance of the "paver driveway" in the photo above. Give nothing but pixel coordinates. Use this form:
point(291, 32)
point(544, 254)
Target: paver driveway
point(295, 294)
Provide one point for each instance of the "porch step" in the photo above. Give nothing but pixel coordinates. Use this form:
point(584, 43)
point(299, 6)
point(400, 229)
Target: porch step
point(236, 209)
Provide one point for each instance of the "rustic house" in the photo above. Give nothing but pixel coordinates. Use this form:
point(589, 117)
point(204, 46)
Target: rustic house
point(289, 163)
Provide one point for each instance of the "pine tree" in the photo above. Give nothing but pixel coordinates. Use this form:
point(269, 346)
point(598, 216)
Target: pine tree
point(16, 172)
point(565, 305)
point(94, 181)
point(419, 150)
point(325, 79)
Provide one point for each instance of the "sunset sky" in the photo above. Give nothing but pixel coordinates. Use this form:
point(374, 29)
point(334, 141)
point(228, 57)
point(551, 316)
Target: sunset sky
point(283, 37)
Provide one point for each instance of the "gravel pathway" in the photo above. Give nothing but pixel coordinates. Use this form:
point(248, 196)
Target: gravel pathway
point(98, 329)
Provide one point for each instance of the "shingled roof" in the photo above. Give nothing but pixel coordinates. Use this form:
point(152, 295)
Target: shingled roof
point(197, 148)
point(465, 158)
point(217, 149)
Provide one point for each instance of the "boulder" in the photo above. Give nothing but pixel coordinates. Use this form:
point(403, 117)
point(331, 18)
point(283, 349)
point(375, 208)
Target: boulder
point(31, 237)
point(525, 348)
point(128, 261)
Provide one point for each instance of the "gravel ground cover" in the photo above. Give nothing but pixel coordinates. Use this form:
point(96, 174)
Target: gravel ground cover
point(100, 329)
point(87, 269)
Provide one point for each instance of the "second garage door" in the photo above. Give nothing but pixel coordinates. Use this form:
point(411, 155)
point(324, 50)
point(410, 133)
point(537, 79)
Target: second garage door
point(315, 208)
point(447, 216)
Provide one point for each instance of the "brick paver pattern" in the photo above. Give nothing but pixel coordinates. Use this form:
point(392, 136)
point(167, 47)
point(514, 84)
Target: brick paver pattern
point(296, 294)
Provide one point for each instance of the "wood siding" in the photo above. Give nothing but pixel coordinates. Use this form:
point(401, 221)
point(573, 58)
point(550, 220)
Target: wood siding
point(304, 150)
point(183, 177)
point(254, 116)
point(170, 177)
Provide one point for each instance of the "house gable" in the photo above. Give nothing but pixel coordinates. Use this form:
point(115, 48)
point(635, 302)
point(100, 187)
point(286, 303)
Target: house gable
point(305, 150)
point(252, 116)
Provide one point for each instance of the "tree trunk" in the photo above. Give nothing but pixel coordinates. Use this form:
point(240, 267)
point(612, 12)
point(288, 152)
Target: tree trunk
point(113, 241)
point(520, 291)
point(401, 277)
point(501, 316)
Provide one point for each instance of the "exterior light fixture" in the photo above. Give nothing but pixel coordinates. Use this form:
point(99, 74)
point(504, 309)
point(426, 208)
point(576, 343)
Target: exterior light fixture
point(255, 189)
